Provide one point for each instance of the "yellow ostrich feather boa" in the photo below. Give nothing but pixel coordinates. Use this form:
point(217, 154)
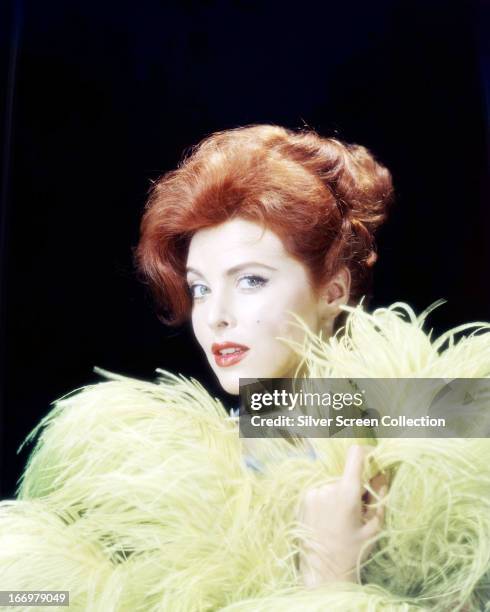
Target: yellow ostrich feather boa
point(137, 496)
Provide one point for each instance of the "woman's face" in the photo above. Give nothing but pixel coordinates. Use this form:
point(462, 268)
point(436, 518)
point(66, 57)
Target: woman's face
point(243, 284)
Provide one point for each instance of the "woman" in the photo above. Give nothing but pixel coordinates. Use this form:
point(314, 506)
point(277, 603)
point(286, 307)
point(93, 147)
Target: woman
point(145, 498)
point(241, 228)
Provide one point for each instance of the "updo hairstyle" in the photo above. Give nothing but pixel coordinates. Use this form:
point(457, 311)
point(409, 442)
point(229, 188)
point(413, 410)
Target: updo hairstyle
point(322, 197)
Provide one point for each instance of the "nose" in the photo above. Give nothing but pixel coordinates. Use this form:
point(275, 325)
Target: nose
point(221, 311)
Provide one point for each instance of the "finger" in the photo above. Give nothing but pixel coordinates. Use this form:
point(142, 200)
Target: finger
point(371, 528)
point(368, 533)
point(383, 492)
point(380, 510)
point(351, 477)
point(379, 481)
point(308, 504)
point(377, 484)
point(377, 510)
point(368, 510)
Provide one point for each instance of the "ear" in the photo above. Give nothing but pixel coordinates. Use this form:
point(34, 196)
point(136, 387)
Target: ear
point(334, 294)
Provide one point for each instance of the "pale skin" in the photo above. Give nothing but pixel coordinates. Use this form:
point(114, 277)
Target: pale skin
point(244, 286)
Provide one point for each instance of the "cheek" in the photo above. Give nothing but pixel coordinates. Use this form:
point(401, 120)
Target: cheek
point(269, 329)
point(274, 358)
point(198, 328)
point(282, 323)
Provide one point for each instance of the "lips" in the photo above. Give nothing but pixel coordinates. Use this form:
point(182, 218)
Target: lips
point(229, 358)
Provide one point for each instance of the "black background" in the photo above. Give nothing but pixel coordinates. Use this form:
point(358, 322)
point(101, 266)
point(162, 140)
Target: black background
point(98, 100)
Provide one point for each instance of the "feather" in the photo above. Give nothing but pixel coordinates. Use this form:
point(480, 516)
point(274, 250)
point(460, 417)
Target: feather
point(138, 497)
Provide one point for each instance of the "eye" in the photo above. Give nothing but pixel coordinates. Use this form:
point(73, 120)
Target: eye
point(198, 291)
point(251, 281)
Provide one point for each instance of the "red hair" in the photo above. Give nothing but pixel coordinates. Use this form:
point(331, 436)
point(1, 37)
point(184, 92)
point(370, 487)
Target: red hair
point(322, 197)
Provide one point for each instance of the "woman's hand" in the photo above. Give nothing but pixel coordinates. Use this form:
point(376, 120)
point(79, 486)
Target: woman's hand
point(340, 523)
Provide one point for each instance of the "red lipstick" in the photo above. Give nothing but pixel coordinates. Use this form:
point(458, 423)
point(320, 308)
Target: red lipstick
point(228, 358)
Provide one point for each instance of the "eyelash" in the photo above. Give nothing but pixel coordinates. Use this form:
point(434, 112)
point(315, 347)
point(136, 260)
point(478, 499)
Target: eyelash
point(260, 282)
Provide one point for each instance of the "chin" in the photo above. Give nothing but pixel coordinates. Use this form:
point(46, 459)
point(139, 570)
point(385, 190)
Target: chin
point(231, 387)
point(230, 381)
point(229, 384)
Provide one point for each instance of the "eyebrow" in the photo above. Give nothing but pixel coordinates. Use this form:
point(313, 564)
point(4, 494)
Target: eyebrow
point(236, 268)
